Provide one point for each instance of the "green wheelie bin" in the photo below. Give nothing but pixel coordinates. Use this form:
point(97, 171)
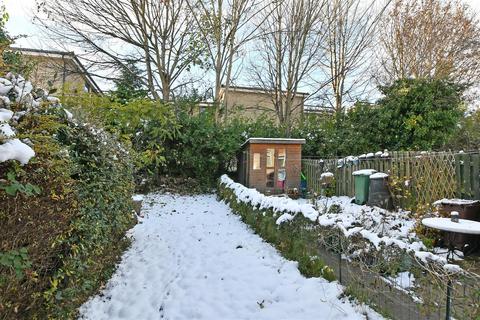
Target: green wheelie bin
point(362, 185)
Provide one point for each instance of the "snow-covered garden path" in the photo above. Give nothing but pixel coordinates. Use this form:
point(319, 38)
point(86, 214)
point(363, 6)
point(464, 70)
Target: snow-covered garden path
point(191, 258)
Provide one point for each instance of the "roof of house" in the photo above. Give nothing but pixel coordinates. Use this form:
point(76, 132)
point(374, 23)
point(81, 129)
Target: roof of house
point(257, 90)
point(273, 141)
point(318, 109)
point(63, 55)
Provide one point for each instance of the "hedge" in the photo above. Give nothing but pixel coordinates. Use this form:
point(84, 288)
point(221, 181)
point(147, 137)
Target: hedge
point(296, 240)
point(60, 245)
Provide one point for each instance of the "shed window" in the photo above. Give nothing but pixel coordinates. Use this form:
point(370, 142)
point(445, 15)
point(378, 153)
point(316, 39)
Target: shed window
point(282, 156)
point(270, 158)
point(256, 161)
point(270, 178)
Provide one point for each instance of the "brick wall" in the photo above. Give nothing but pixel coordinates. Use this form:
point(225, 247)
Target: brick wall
point(251, 105)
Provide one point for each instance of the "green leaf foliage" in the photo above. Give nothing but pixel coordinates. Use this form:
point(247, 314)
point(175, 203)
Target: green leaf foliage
point(419, 114)
point(16, 260)
point(71, 210)
point(173, 139)
point(129, 85)
point(413, 114)
point(13, 186)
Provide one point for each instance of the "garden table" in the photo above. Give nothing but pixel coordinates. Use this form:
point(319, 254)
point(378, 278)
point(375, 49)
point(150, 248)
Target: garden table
point(452, 225)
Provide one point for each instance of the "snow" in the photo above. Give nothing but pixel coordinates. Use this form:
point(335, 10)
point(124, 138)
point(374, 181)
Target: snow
point(452, 268)
point(5, 89)
point(22, 91)
point(380, 227)
point(6, 131)
point(16, 150)
point(326, 175)
point(446, 224)
point(68, 114)
point(404, 280)
point(138, 197)
point(379, 175)
point(5, 115)
point(364, 172)
point(459, 202)
point(192, 258)
point(53, 99)
point(277, 204)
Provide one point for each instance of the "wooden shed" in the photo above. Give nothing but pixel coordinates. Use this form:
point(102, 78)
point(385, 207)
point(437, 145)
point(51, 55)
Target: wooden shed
point(270, 165)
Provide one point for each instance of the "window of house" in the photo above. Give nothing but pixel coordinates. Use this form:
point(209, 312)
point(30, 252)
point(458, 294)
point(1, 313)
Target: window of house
point(256, 161)
point(270, 158)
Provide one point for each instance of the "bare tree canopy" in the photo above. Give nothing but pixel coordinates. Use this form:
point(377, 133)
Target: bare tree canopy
point(351, 33)
point(288, 50)
point(431, 38)
point(158, 35)
point(225, 27)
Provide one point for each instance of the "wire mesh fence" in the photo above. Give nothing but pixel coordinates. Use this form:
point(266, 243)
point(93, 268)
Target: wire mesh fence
point(417, 294)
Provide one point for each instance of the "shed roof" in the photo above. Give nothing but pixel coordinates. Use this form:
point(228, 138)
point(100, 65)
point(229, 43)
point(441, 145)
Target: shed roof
point(273, 141)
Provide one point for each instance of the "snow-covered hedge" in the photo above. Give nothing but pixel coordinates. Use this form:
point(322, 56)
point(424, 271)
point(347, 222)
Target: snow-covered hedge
point(296, 240)
point(377, 226)
point(64, 210)
point(277, 204)
point(378, 247)
point(16, 90)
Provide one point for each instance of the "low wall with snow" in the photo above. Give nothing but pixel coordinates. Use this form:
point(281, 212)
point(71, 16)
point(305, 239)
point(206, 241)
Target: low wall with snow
point(366, 261)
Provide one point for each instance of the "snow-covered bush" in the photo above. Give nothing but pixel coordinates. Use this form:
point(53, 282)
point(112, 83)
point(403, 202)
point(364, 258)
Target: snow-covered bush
point(381, 243)
point(19, 92)
point(295, 240)
point(65, 204)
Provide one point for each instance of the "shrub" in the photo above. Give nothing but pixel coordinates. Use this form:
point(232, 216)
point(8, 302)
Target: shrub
point(170, 139)
point(420, 114)
point(467, 133)
point(413, 114)
point(63, 229)
point(296, 240)
point(143, 124)
point(104, 185)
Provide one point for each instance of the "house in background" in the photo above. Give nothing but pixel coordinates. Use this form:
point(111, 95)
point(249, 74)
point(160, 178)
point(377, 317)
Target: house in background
point(252, 102)
point(59, 70)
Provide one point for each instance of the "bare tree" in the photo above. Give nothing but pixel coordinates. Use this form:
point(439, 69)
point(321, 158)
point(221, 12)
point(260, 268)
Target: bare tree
point(288, 50)
point(431, 38)
point(351, 32)
point(158, 35)
point(225, 27)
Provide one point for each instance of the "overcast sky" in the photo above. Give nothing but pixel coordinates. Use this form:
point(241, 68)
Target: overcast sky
point(20, 23)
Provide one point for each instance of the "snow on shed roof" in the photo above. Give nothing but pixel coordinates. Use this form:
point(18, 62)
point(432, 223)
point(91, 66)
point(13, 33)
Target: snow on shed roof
point(273, 141)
